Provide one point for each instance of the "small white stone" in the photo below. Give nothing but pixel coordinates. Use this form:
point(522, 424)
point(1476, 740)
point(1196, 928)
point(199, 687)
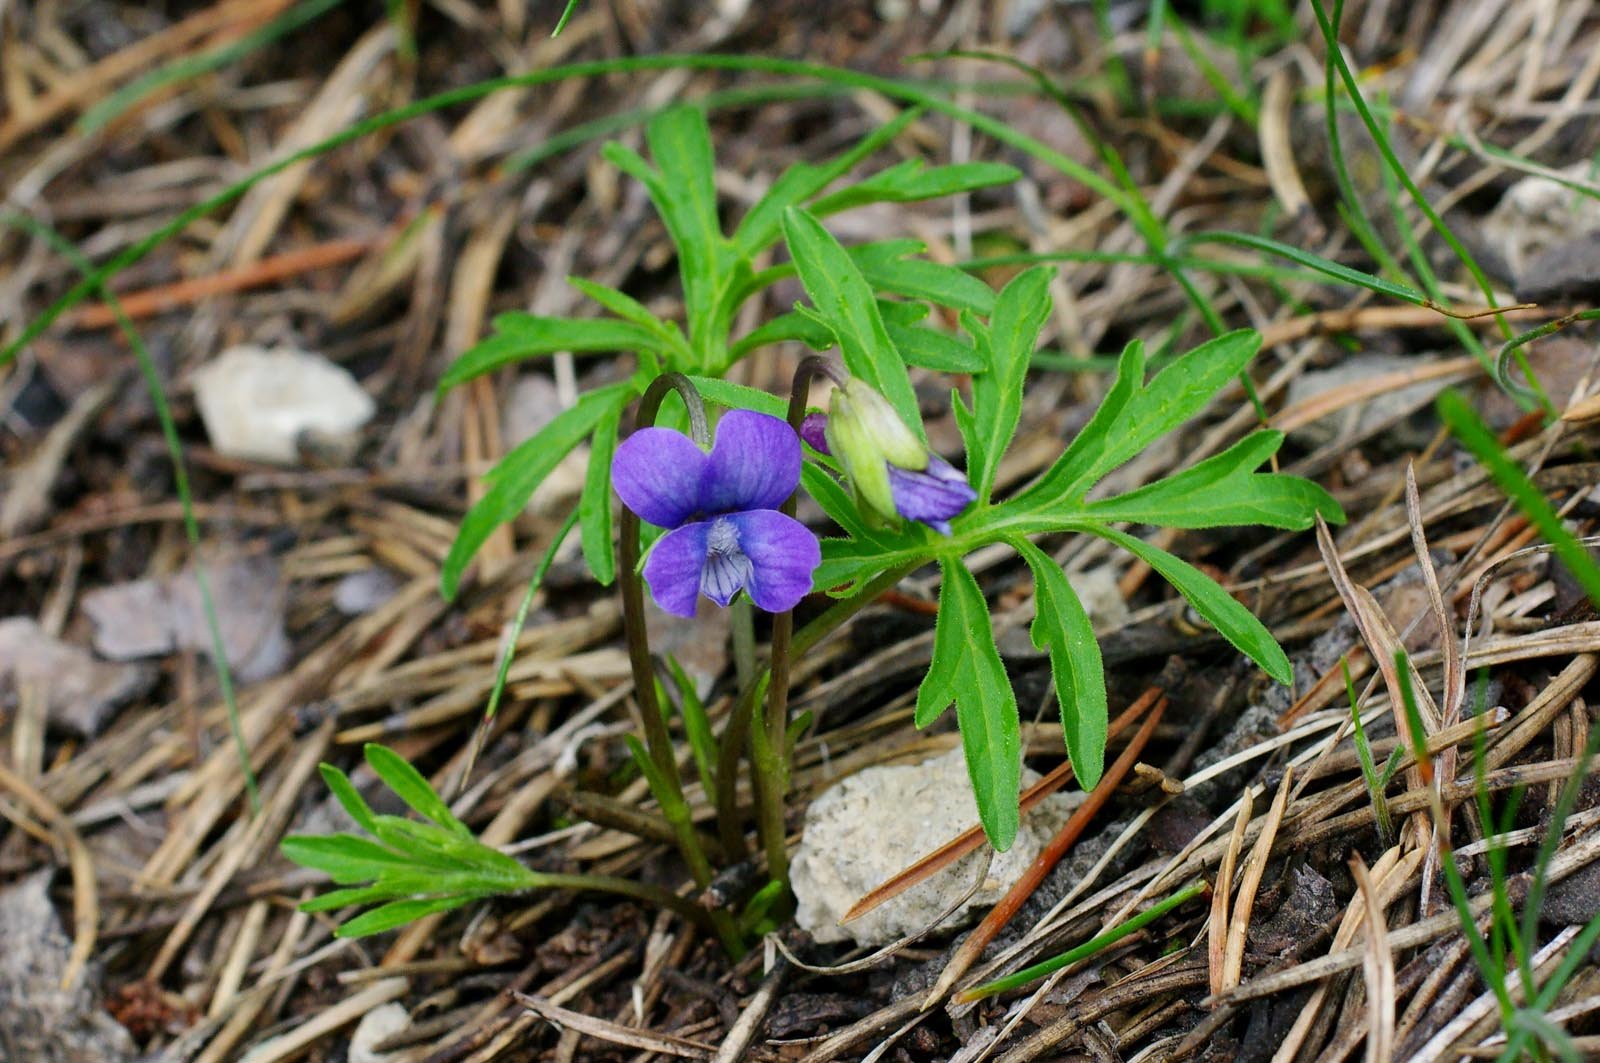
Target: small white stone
point(1100, 596)
point(258, 404)
point(361, 592)
point(40, 1020)
point(1538, 213)
point(879, 821)
point(376, 1027)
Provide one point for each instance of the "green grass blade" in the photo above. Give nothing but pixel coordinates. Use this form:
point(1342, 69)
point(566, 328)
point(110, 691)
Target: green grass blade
point(907, 92)
point(1330, 35)
point(1096, 944)
point(1325, 266)
point(113, 106)
point(1494, 976)
point(503, 668)
point(566, 14)
point(1509, 477)
point(1376, 783)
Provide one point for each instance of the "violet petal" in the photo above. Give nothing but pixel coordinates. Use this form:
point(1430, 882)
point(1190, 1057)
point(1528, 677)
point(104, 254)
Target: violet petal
point(754, 464)
point(931, 496)
point(783, 554)
point(657, 474)
point(727, 569)
point(674, 565)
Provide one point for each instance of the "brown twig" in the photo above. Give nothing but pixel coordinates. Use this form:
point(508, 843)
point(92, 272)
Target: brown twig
point(1058, 847)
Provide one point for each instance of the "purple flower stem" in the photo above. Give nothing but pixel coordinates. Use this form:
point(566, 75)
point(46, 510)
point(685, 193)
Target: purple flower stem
point(658, 741)
point(770, 745)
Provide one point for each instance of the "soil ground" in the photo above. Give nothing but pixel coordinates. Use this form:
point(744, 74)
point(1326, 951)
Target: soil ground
point(390, 255)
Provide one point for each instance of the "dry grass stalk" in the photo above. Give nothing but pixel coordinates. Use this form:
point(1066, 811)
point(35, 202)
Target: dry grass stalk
point(1378, 965)
point(1239, 920)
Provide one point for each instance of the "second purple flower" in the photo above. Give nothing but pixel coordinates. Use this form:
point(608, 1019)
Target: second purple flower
point(725, 532)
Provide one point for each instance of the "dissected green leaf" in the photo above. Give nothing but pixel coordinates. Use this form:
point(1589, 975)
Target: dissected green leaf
point(836, 502)
point(686, 196)
point(925, 348)
point(436, 863)
point(397, 914)
point(913, 180)
point(347, 795)
point(846, 562)
point(682, 186)
point(594, 505)
point(846, 302)
point(1007, 347)
point(1221, 609)
point(450, 851)
point(409, 785)
point(803, 180)
point(1073, 472)
point(418, 882)
point(345, 858)
point(889, 266)
point(928, 348)
point(624, 306)
point(347, 898)
point(513, 481)
point(785, 328)
point(966, 668)
point(1176, 394)
point(727, 394)
point(519, 336)
point(1061, 626)
point(1224, 491)
point(697, 725)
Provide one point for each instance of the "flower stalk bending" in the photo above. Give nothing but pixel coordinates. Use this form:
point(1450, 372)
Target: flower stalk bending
point(658, 741)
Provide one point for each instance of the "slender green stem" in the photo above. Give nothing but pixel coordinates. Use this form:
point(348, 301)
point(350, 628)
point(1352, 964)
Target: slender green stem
point(741, 617)
point(1534, 904)
point(657, 739)
point(1369, 770)
point(509, 650)
point(737, 731)
point(1513, 347)
point(1447, 859)
point(627, 887)
point(770, 752)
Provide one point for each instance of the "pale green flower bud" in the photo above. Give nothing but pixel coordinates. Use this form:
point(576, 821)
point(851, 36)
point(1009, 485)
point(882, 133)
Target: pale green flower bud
point(867, 435)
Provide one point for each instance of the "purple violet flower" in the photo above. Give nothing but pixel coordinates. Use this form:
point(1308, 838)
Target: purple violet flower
point(931, 495)
point(725, 533)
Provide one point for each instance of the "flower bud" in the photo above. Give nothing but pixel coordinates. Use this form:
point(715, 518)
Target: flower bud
point(893, 473)
point(867, 436)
